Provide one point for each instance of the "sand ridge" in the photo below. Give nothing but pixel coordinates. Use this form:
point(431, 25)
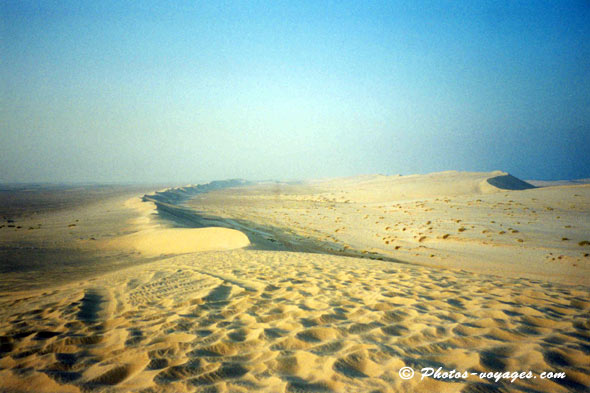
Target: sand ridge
point(153, 242)
point(152, 237)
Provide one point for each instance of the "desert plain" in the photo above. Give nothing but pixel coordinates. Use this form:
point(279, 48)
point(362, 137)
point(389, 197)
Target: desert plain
point(332, 285)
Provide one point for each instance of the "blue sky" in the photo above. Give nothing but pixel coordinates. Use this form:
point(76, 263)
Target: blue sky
point(123, 91)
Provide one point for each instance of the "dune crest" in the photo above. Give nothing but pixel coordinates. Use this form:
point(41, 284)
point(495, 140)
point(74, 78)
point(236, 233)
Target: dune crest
point(380, 188)
point(152, 236)
point(509, 182)
point(153, 242)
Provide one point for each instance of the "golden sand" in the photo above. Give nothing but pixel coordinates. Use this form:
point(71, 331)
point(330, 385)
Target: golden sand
point(234, 319)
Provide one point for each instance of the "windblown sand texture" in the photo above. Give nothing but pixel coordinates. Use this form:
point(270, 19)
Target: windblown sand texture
point(248, 319)
point(449, 219)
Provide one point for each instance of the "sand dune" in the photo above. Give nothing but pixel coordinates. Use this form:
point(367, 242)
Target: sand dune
point(277, 321)
point(180, 240)
point(374, 188)
point(450, 219)
point(152, 237)
point(509, 182)
point(227, 317)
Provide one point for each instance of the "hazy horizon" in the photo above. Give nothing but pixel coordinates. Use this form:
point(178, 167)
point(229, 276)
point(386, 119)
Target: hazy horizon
point(165, 92)
point(164, 184)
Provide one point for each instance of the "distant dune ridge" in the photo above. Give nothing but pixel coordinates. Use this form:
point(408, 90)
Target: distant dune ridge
point(480, 221)
point(293, 287)
point(431, 185)
point(552, 183)
point(449, 183)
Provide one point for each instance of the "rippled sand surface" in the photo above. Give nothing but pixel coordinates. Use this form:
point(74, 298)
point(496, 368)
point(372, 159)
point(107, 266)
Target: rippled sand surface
point(281, 322)
point(261, 318)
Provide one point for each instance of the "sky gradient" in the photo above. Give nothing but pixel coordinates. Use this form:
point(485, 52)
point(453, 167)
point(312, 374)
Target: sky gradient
point(189, 91)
